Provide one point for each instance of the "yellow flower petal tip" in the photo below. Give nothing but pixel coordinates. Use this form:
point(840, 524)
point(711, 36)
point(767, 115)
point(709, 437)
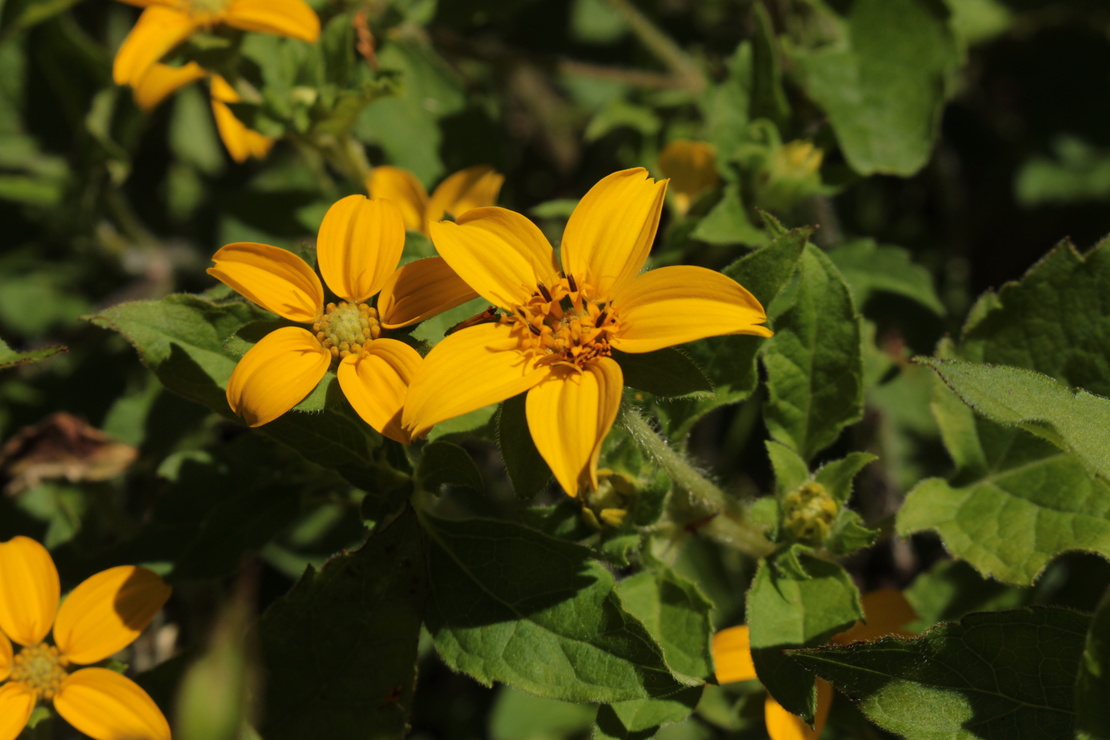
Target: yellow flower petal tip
point(104, 614)
point(553, 326)
point(732, 655)
point(473, 187)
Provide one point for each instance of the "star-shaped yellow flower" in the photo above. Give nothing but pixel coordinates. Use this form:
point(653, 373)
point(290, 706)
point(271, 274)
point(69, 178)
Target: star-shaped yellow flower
point(103, 615)
point(560, 324)
point(886, 611)
point(358, 248)
point(458, 193)
point(166, 23)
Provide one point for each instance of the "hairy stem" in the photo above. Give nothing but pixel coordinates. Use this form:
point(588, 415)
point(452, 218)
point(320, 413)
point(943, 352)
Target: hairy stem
point(724, 517)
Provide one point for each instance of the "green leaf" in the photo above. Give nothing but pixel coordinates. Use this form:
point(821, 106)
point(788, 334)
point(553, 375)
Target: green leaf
point(517, 715)
point(796, 600)
point(814, 362)
point(951, 589)
point(527, 470)
point(1075, 421)
point(340, 648)
point(1016, 501)
point(837, 476)
point(990, 675)
point(182, 339)
point(1092, 694)
point(665, 372)
point(870, 268)
point(640, 718)
point(676, 614)
point(446, 464)
point(729, 361)
point(728, 222)
point(10, 358)
point(884, 83)
point(512, 605)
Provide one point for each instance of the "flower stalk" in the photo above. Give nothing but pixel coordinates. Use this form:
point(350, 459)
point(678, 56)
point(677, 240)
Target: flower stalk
point(728, 522)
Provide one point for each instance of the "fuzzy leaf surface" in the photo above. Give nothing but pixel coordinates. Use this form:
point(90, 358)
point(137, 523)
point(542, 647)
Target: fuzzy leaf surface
point(512, 605)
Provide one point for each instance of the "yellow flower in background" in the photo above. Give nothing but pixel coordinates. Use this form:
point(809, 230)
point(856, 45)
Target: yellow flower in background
point(886, 611)
point(358, 248)
point(560, 324)
point(473, 187)
point(162, 80)
point(103, 615)
point(166, 23)
point(692, 169)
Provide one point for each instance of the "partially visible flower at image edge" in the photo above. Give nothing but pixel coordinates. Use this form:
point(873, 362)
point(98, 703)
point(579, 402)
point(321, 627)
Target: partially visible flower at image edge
point(103, 615)
point(164, 24)
point(358, 249)
point(561, 324)
point(162, 80)
point(472, 187)
point(886, 612)
point(692, 169)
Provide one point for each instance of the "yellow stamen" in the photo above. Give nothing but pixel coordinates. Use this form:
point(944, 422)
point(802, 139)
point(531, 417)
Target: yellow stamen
point(343, 329)
point(41, 668)
point(562, 325)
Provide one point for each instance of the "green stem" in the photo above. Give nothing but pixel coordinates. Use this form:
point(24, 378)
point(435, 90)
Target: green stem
point(727, 520)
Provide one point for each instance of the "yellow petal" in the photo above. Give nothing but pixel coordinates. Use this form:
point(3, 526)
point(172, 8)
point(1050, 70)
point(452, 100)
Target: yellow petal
point(107, 611)
point(242, 143)
point(359, 246)
point(107, 706)
point(569, 414)
point(782, 725)
point(162, 80)
point(473, 187)
point(691, 167)
point(276, 374)
point(402, 188)
point(609, 235)
point(377, 382)
point(6, 655)
point(498, 252)
point(732, 655)
point(679, 304)
point(29, 590)
point(469, 369)
point(158, 30)
point(16, 704)
point(293, 18)
point(274, 278)
point(886, 611)
point(420, 290)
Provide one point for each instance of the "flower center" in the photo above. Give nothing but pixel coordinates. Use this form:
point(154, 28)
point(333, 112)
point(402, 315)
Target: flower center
point(40, 667)
point(343, 329)
point(809, 512)
point(563, 325)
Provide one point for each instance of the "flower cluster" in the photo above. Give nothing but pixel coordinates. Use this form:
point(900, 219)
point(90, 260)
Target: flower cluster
point(554, 326)
point(164, 24)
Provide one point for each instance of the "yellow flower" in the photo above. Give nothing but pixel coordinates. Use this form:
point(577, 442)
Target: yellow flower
point(886, 611)
point(470, 188)
point(692, 169)
point(162, 80)
point(100, 617)
point(358, 248)
point(560, 325)
point(166, 23)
